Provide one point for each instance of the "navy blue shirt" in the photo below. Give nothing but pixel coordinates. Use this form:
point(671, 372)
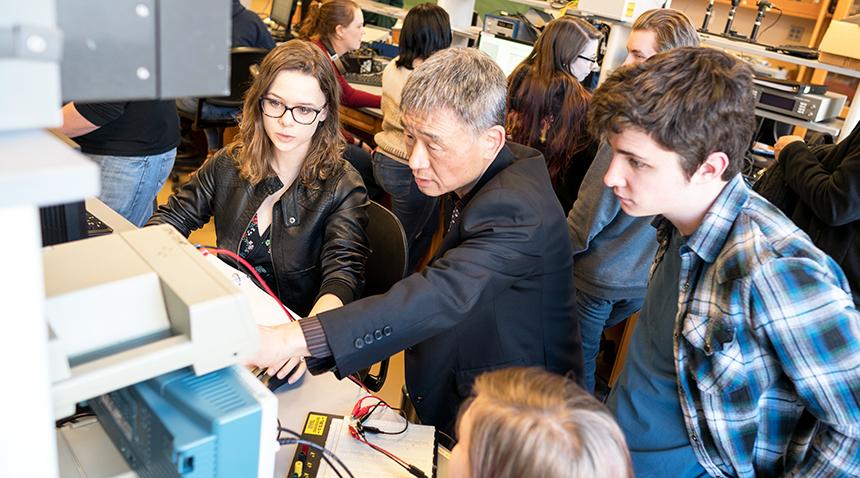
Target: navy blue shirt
point(249, 30)
point(645, 398)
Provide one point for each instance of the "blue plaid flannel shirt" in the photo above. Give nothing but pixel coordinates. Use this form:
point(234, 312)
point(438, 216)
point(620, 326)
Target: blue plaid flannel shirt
point(767, 345)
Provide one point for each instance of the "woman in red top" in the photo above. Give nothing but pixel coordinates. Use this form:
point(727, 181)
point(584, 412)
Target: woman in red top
point(336, 26)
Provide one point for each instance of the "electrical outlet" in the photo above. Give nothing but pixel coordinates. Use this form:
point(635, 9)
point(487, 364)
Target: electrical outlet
point(795, 33)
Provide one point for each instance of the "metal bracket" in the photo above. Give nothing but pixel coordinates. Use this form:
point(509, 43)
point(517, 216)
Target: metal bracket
point(29, 42)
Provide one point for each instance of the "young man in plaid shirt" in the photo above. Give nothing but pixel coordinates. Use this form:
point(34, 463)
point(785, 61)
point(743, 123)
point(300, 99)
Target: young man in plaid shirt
point(746, 357)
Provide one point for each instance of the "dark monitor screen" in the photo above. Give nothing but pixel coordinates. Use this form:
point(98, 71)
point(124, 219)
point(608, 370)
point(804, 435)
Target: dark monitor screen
point(777, 101)
point(282, 11)
point(63, 223)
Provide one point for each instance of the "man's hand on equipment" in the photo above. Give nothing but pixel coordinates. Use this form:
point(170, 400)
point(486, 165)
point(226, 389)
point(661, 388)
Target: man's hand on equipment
point(282, 347)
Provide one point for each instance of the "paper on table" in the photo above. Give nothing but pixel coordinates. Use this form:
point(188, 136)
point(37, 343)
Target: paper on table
point(373, 34)
point(264, 309)
point(415, 446)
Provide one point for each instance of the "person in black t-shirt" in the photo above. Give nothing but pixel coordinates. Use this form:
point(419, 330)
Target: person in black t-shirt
point(134, 144)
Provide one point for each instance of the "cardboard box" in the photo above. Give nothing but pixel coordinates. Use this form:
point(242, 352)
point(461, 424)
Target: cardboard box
point(624, 10)
point(838, 47)
point(843, 61)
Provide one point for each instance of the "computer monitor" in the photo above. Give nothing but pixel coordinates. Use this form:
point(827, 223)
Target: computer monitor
point(506, 52)
point(282, 12)
point(63, 223)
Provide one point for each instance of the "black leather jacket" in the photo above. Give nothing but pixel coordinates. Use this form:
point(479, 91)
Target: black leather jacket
point(318, 241)
point(826, 180)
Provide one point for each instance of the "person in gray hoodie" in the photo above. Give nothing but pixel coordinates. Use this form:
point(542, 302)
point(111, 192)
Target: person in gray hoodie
point(612, 251)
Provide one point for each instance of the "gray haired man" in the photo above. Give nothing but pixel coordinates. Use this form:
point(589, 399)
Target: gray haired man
point(498, 292)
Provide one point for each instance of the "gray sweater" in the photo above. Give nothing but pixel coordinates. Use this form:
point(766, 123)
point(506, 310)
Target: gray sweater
point(612, 251)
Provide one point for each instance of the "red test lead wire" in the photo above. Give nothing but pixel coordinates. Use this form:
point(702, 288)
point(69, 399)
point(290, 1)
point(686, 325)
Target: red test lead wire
point(253, 271)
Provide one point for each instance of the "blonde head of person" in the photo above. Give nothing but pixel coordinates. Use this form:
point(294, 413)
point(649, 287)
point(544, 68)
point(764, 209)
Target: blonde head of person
point(529, 422)
point(659, 30)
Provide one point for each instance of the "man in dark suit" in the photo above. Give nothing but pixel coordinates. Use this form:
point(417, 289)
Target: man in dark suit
point(497, 293)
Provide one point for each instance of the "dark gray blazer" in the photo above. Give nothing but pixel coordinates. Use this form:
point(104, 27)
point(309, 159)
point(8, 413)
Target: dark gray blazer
point(498, 293)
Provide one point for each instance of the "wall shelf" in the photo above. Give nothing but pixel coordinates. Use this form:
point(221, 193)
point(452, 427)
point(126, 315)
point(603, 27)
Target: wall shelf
point(792, 8)
point(717, 41)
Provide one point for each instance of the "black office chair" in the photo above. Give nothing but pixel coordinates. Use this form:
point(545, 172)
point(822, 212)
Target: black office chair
point(193, 150)
point(241, 60)
point(386, 265)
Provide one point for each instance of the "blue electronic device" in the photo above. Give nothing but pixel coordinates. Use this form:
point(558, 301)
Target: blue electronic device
point(182, 425)
point(503, 25)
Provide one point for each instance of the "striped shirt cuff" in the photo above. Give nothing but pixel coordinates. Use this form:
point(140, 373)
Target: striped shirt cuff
point(315, 337)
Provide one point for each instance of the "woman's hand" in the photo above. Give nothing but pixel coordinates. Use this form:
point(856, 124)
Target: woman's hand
point(325, 303)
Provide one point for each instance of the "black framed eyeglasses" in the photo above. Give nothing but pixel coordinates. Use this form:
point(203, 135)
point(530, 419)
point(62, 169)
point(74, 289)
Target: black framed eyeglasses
point(590, 60)
point(301, 114)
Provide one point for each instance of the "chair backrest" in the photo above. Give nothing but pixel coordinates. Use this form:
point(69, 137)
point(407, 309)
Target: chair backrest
point(241, 59)
point(386, 263)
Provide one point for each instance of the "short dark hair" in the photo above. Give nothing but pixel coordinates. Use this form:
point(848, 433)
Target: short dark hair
point(426, 30)
point(693, 101)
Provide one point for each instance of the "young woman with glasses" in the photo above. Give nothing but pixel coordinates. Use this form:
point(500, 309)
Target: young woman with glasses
point(547, 105)
point(281, 194)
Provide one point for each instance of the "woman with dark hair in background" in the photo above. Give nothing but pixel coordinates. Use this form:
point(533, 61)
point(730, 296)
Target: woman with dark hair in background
point(336, 27)
point(547, 105)
point(426, 30)
point(281, 194)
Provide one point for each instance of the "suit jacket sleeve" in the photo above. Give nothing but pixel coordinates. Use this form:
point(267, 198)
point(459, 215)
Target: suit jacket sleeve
point(495, 251)
point(833, 194)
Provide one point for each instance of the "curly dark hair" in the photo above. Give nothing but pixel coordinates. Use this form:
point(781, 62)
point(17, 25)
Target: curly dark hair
point(693, 101)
